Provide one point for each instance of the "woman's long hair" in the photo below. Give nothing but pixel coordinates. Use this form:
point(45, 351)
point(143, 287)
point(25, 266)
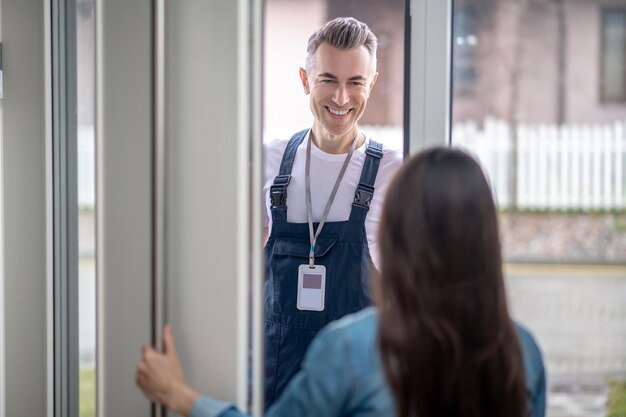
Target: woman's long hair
point(448, 345)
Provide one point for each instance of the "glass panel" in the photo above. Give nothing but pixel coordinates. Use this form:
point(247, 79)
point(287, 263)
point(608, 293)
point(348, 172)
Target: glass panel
point(465, 44)
point(530, 110)
point(85, 72)
point(336, 88)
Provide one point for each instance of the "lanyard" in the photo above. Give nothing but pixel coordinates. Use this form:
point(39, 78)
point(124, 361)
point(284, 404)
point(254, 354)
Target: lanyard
point(307, 183)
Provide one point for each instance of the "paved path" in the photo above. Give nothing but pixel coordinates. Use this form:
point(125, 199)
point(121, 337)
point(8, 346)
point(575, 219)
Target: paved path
point(578, 315)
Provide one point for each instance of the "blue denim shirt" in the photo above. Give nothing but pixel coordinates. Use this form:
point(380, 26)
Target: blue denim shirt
point(342, 376)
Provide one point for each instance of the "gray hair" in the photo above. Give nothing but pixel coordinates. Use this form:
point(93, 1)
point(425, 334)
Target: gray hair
point(343, 33)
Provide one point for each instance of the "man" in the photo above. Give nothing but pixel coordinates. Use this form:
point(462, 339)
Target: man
point(324, 191)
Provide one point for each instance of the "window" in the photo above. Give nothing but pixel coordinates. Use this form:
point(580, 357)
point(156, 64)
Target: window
point(465, 43)
point(613, 78)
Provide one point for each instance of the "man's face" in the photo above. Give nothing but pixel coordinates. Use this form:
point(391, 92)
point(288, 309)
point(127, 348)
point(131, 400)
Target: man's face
point(339, 83)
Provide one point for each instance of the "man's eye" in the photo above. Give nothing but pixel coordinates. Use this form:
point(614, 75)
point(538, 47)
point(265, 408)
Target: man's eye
point(326, 81)
point(358, 83)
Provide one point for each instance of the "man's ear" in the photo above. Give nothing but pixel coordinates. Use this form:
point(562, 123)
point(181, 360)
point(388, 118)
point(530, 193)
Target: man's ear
point(374, 78)
point(304, 77)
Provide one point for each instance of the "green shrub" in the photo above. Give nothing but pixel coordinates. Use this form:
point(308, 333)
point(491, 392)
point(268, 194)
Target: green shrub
point(616, 403)
point(87, 387)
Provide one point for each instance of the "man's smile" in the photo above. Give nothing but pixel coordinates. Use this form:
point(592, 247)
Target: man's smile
point(339, 113)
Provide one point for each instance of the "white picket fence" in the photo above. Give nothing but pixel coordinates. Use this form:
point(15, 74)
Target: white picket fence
point(559, 168)
point(568, 167)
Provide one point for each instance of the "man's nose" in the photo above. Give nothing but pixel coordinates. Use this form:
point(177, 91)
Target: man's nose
point(340, 97)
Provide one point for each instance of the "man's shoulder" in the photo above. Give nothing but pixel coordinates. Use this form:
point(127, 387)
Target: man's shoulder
point(275, 147)
point(394, 156)
point(391, 161)
point(391, 154)
point(276, 144)
point(273, 152)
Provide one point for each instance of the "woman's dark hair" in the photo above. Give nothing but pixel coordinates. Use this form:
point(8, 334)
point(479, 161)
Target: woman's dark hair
point(448, 345)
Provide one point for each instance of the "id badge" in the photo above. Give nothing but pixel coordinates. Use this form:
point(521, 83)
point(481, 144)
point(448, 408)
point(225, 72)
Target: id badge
point(311, 287)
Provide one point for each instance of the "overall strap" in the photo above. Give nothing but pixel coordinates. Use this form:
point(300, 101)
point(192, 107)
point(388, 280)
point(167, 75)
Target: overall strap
point(278, 190)
point(365, 190)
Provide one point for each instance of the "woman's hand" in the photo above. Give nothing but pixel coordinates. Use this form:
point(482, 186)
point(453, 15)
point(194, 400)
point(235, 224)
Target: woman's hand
point(160, 377)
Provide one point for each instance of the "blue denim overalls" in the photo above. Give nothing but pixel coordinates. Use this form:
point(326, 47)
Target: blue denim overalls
point(341, 247)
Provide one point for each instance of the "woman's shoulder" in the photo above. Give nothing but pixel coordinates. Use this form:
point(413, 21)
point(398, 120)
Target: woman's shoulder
point(533, 361)
point(355, 349)
point(530, 348)
point(353, 335)
point(356, 326)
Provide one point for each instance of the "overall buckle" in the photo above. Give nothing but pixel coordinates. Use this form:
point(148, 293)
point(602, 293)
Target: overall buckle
point(363, 195)
point(278, 191)
point(374, 151)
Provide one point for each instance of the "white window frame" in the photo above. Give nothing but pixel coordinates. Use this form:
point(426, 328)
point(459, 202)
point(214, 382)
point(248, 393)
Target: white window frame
point(430, 69)
point(26, 197)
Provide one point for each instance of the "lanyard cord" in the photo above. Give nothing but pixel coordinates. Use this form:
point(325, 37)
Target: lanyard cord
point(307, 182)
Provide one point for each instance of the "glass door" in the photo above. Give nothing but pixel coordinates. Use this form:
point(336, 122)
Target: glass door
point(539, 97)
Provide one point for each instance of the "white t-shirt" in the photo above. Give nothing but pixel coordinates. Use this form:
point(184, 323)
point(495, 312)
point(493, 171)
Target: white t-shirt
point(324, 171)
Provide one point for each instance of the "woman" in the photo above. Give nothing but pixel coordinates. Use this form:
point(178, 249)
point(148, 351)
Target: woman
point(440, 342)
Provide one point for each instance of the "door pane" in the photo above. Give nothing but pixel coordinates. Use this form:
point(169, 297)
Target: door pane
point(531, 80)
point(85, 73)
point(287, 27)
